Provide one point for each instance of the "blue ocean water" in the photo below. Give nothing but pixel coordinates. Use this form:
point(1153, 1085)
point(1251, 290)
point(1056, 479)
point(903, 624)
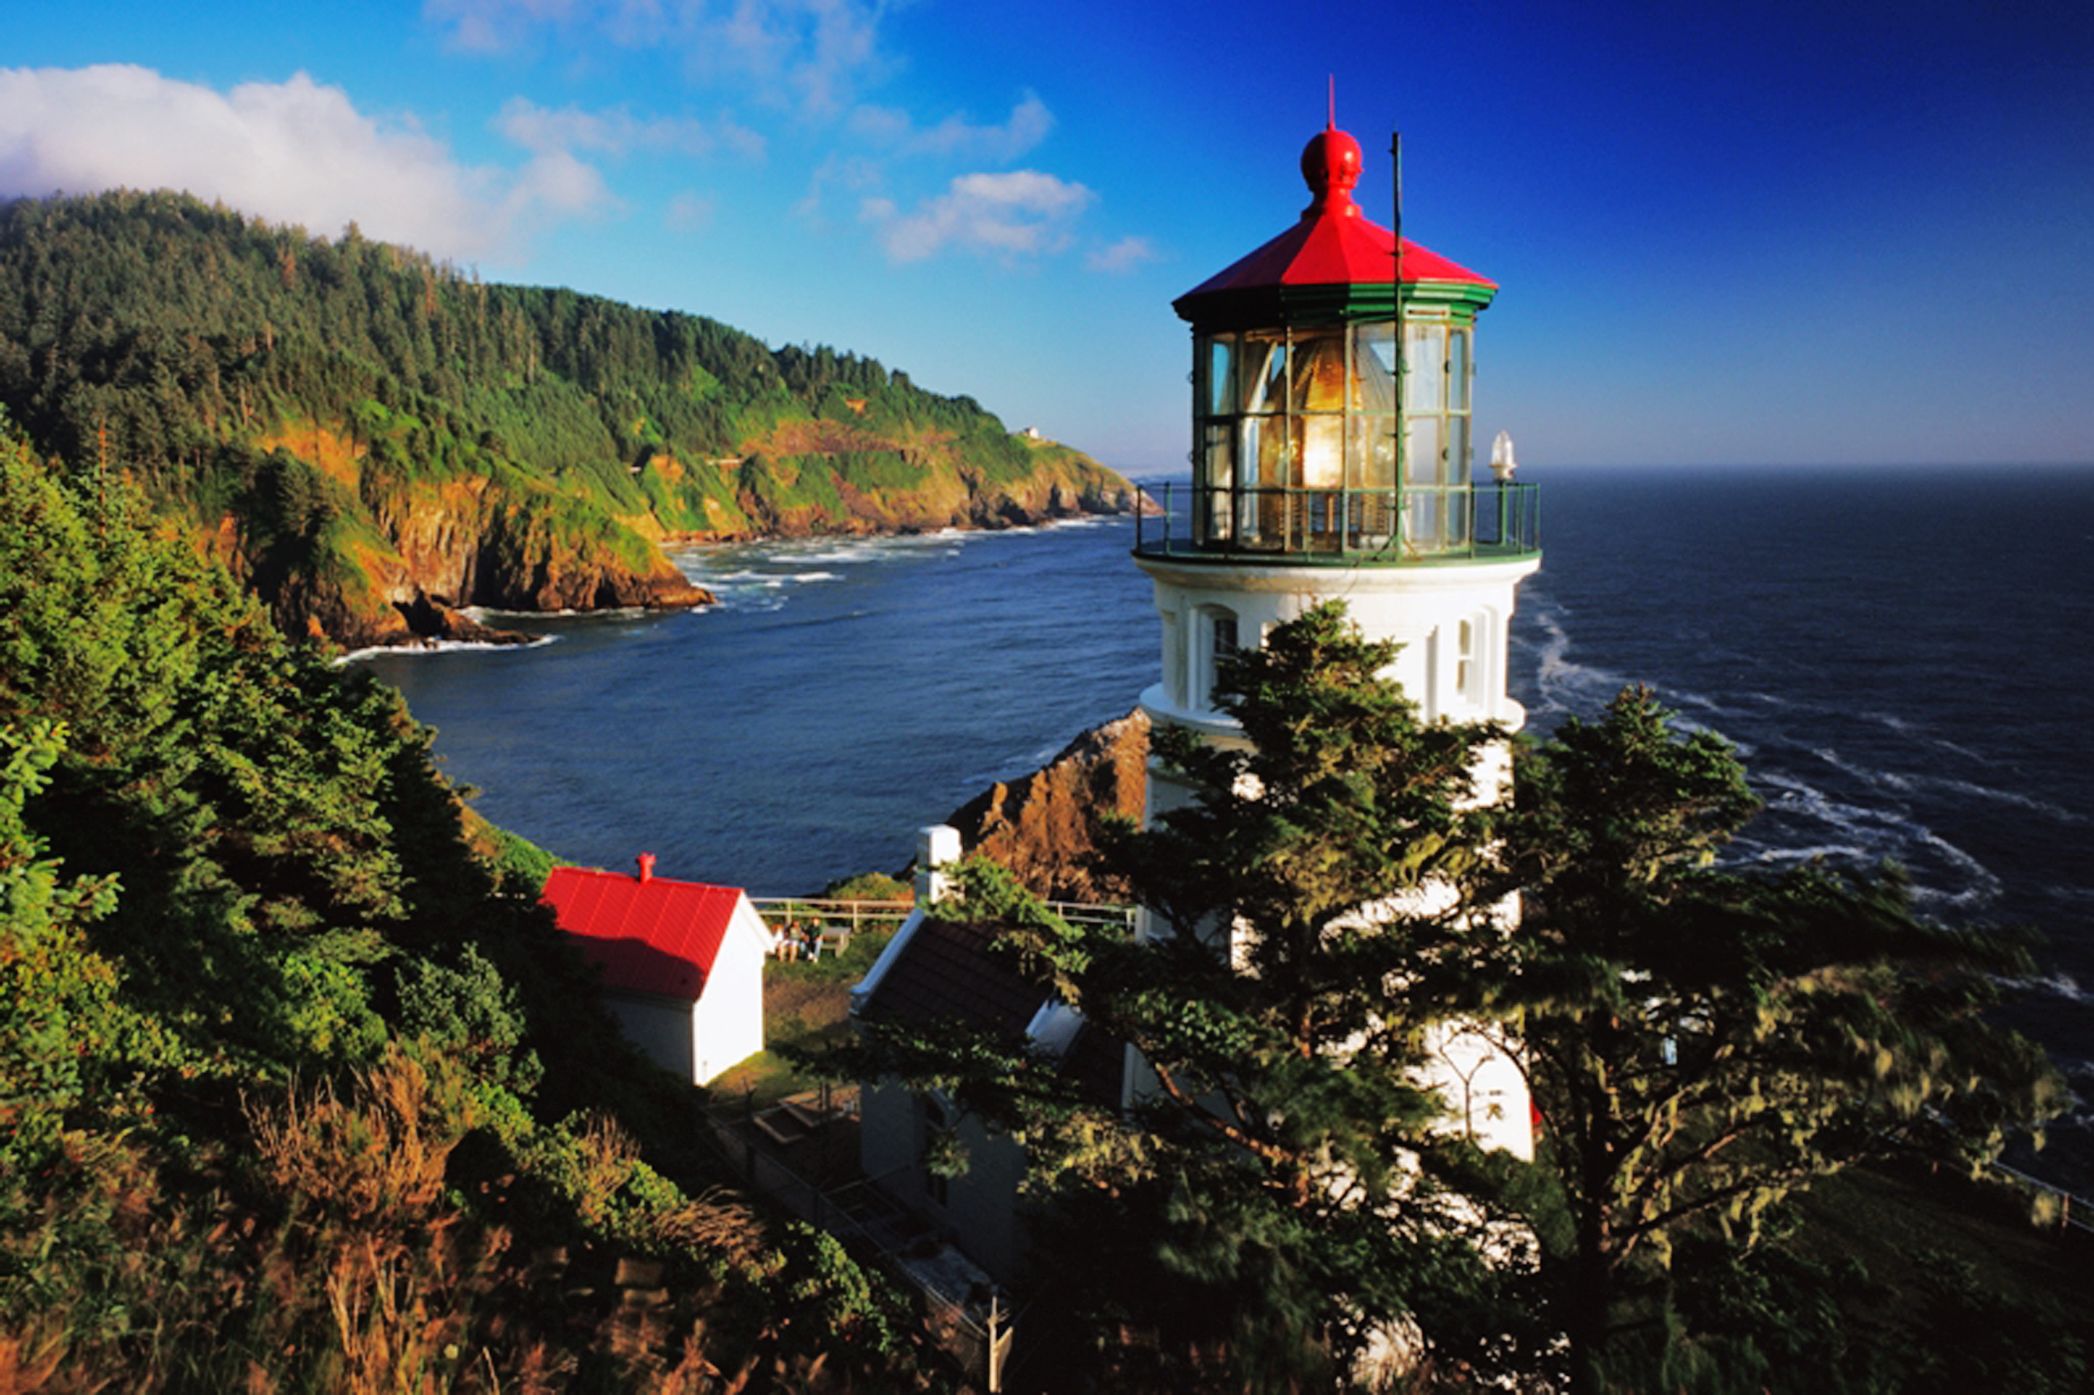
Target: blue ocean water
point(1902, 655)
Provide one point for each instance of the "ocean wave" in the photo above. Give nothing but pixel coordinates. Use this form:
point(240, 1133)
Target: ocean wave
point(1785, 856)
point(1564, 684)
point(1906, 727)
point(616, 612)
point(439, 646)
point(1943, 873)
point(1972, 790)
point(2060, 985)
point(1882, 779)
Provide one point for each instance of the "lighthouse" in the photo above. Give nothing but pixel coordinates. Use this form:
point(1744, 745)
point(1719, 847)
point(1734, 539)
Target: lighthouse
point(1332, 460)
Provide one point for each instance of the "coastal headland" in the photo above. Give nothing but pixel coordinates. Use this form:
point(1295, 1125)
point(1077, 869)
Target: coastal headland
point(373, 440)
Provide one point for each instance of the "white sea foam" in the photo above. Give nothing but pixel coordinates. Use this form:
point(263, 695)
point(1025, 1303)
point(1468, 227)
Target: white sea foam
point(1882, 779)
point(619, 612)
point(1786, 856)
point(1869, 834)
point(1972, 790)
point(1566, 685)
point(439, 646)
point(2065, 986)
point(1907, 728)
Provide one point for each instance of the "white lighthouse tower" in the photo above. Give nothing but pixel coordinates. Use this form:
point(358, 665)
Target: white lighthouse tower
point(1325, 467)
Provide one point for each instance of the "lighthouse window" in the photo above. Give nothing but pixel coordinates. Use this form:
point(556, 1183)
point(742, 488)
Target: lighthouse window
point(1217, 641)
point(1465, 660)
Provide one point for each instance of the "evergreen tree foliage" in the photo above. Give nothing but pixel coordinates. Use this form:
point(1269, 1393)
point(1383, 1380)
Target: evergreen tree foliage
point(1277, 1185)
point(293, 1082)
point(1286, 1203)
point(1704, 1040)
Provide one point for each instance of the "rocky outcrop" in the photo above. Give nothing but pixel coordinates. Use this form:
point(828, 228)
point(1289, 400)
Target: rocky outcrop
point(1043, 826)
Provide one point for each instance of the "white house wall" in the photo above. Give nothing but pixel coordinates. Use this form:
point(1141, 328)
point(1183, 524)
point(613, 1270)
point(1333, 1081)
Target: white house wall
point(659, 1027)
point(727, 1019)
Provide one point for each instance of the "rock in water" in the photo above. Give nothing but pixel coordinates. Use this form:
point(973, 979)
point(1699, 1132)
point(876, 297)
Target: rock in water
point(1043, 825)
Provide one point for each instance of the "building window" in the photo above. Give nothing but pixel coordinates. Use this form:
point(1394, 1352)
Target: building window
point(1217, 640)
point(1465, 661)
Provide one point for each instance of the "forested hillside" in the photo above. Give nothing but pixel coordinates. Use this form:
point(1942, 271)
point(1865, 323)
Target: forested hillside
point(299, 1089)
point(371, 438)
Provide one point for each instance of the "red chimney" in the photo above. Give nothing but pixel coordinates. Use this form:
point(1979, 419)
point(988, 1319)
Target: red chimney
point(646, 867)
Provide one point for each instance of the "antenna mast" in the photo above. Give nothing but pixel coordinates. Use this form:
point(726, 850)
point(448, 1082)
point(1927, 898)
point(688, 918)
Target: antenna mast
point(1402, 356)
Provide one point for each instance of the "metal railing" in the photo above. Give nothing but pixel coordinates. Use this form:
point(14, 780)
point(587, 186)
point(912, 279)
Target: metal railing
point(838, 915)
point(1417, 525)
point(876, 1226)
point(832, 913)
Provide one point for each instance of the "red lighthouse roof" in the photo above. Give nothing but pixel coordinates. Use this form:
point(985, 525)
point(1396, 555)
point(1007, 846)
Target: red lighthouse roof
point(1335, 246)
point(648, 934)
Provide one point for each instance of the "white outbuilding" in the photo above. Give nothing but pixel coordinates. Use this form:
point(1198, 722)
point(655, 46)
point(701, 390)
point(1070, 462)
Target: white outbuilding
point(682, 962)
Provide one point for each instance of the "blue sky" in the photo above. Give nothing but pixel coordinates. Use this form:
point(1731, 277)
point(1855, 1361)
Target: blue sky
point(1726, 234)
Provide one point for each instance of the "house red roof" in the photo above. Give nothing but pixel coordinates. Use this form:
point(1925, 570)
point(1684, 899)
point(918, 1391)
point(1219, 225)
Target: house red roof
point(651, 935)
point(1334, 244)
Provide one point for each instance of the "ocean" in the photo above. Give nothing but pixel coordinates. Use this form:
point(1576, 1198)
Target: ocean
point(1903, 656)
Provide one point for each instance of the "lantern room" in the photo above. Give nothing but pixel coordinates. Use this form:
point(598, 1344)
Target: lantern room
point(1314, 439)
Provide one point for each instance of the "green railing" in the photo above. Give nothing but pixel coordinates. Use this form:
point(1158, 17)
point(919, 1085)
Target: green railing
point(1419, 525)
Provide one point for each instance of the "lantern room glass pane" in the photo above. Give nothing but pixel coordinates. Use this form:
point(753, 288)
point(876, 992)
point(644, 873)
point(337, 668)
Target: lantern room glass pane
point(1422, 456)
point(1319, 371)
point(1264, 371)
point(1221, 378)
point(1374, 367)
point(1217, 474)
point(1425, 368)
point(1320, 453)
point(1371, 453)
point(1458, 370)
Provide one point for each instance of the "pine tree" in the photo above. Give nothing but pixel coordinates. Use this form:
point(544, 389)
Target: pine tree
point(1274, 1190)
point(1703, 1041)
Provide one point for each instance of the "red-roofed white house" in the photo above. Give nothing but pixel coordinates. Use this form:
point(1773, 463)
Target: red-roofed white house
point(682, 962)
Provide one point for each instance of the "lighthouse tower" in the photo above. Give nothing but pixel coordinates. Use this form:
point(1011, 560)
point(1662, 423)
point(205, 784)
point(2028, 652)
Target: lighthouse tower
point(1329, 464)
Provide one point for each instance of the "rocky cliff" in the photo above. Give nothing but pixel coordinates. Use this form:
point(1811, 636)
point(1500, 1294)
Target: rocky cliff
point(374, 440)
point(1043, 825)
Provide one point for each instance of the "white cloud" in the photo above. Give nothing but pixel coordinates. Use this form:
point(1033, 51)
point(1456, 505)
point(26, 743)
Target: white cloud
point(295, 151)
point(1011, 215)
point(617, 132)
point(956, 137)
point(556, 180)
point(852, 172)
point(493, 26)
point(689, 211)
point(813, 54)
point(1121, 256)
